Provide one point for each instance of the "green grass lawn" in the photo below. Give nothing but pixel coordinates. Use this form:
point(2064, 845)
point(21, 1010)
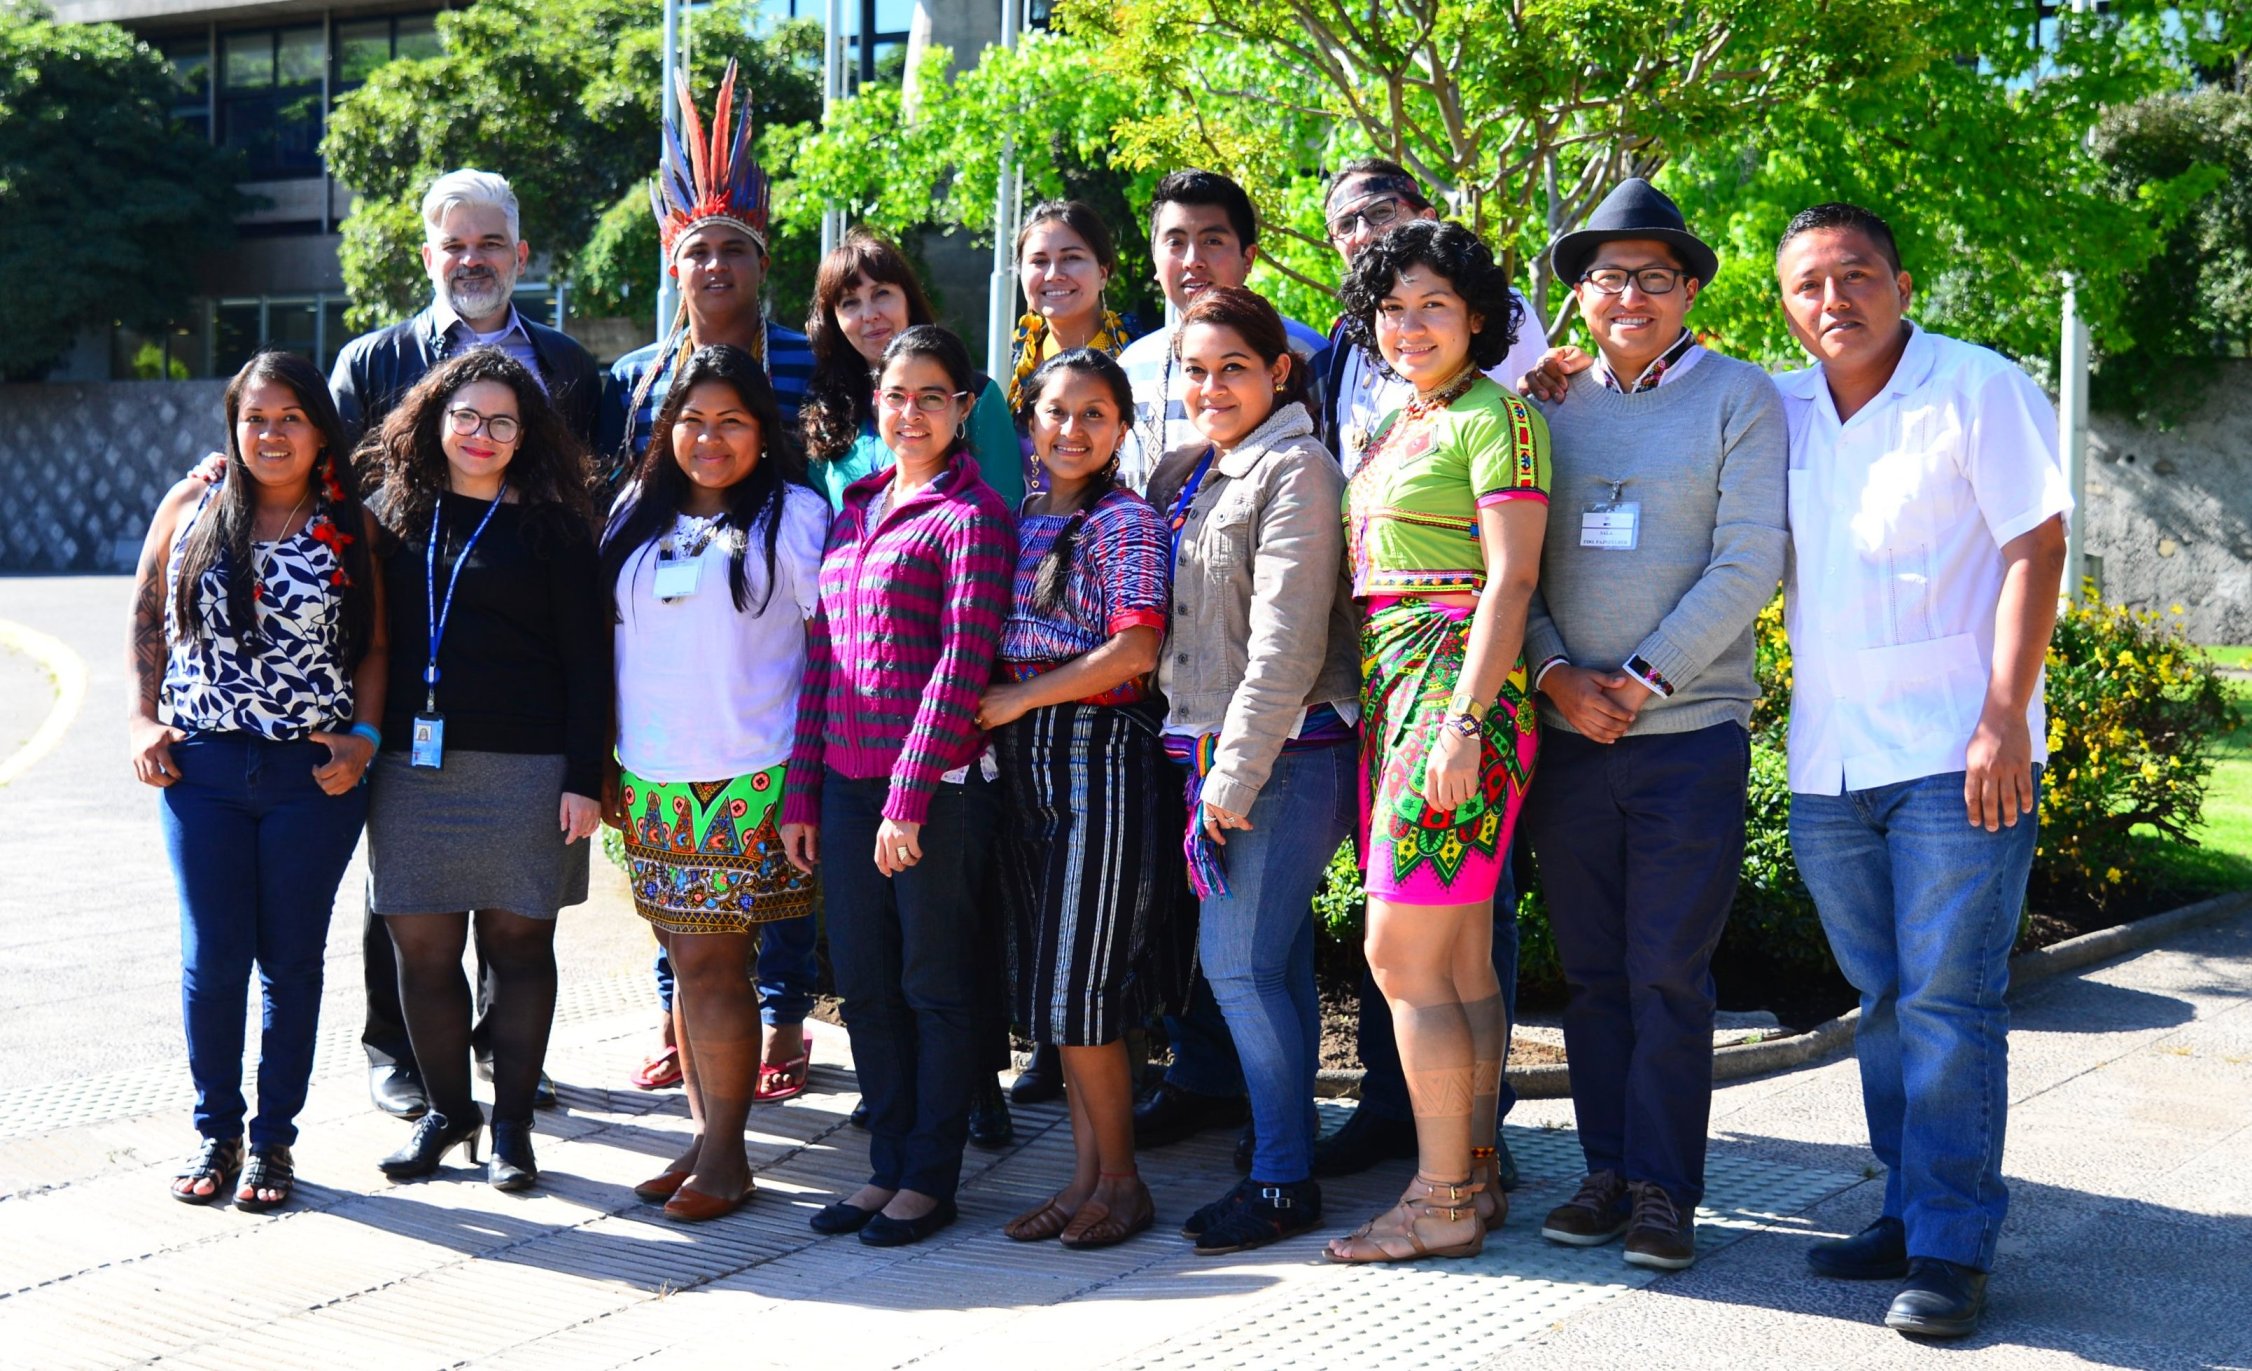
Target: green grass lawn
point(2222, 859)
point(2238, 656)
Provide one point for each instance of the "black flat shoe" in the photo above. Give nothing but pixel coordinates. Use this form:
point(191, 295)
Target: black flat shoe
point(1876, 1253)
point(1364, 1141)
point(434, 1136)
point(1169, 1113)
point(1263, 1213)
point(1246, 1143)
point(858, 1118)
point(1042, 1077)
point(1942, 1299)
point(882, 1230)
point(513, 1167)
point(543, 1094)
point(397, 1091)
point(990, 1125)
point(840, 1217)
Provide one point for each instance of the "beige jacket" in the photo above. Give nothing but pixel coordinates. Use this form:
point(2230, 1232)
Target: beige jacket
point(1263, 624)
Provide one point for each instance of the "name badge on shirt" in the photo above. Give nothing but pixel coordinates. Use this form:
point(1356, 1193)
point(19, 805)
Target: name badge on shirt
point(428, 742)
point(1615, 525)
point(676, 580)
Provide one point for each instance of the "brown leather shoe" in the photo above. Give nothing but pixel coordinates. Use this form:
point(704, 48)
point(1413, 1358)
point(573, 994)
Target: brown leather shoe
point(658, 1189)
point(694, 1206)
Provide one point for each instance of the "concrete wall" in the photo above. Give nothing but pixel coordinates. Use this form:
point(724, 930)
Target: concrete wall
point(2170, 511)
point(84, 465)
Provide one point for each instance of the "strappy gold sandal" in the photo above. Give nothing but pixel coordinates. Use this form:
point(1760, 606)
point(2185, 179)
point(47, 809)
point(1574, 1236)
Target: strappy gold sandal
point(1403, 1241)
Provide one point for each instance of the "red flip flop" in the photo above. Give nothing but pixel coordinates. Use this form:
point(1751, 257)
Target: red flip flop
point(661, 1072)
point(787, 1080)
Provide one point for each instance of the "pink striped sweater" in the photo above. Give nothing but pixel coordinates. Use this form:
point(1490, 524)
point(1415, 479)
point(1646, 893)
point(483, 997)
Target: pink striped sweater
point(902, 646)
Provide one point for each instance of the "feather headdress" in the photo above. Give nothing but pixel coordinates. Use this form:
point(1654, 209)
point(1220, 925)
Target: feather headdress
point(699, 180)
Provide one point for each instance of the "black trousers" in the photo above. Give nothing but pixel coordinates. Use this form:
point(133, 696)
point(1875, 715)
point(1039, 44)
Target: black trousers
point(1639, 844)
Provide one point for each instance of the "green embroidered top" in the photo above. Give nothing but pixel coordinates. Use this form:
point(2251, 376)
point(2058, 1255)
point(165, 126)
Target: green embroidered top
point(1411, 511)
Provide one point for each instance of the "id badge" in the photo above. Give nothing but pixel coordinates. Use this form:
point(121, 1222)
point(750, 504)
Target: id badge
point(428, 744)
point(677, 580)
point(1614, 525)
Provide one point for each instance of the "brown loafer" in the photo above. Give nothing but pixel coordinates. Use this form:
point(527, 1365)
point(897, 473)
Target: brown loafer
point(694, 1206)
point(658, 1189)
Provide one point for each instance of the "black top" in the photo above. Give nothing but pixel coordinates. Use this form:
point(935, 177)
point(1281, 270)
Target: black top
point(375, 369)
point(525, 664)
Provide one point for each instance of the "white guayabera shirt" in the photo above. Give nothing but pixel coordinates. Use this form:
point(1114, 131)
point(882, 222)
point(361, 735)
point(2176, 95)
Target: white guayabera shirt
point(1898, 519)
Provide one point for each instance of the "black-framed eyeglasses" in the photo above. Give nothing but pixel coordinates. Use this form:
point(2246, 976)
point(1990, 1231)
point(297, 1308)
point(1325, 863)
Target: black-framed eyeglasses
point(1380, 213)
point(928, 401)
point(501, 428)
point(1650, 280)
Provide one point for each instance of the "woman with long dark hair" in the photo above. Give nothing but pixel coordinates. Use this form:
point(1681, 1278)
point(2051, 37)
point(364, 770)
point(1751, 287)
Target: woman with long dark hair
point(495, 735)
point(1089, 858)
point(258, 632)
point(714, 560)
point(1065, 258)
point(886, 780)
point(865, 295)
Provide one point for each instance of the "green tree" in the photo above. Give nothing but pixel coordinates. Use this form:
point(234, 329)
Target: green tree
point(561, 97)
point(2186, 162)
point(104, 201)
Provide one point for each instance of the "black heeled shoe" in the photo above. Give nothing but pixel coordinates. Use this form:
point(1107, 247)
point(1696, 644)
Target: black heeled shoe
point(434, 1136)
point(513, 1167)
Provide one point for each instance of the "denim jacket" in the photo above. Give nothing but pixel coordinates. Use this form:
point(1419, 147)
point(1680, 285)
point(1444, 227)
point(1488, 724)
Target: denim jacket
point(1263, 622)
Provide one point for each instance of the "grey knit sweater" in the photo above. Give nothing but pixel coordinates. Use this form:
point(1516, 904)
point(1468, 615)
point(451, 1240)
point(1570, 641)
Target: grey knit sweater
point(1705, 455)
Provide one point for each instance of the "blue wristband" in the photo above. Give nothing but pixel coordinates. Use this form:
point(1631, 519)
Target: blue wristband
point(370, 732)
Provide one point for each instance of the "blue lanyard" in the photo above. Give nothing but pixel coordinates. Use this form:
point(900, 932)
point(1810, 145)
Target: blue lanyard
point(439, 616)
point(1179, 518)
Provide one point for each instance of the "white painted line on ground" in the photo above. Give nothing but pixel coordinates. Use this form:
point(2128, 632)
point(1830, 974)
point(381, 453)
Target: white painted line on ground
point(69, 671)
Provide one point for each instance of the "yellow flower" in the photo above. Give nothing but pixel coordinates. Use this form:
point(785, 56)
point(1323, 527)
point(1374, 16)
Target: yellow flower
point(2112, 876)
point(2126, 657)
point(2150, 771)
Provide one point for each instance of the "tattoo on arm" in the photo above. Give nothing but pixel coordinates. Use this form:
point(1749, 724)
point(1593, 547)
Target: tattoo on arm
point(146, 649)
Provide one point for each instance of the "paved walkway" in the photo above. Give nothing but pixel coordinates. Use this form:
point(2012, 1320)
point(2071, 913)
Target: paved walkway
point(2130, 1160)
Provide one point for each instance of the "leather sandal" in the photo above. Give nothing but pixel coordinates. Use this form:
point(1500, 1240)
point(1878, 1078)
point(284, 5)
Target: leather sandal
point(1492, 1203)
point(1097, 1225)
point(1402, 1240)
point(269, 1168)
point(1038, 1225)
point(216, 1160)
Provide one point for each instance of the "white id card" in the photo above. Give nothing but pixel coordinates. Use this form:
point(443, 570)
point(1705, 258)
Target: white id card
point(1613, 525)
point(677, 580)
point(428, 741)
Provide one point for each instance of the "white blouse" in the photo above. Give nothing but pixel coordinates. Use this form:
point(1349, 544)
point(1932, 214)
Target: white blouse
point(707, 692)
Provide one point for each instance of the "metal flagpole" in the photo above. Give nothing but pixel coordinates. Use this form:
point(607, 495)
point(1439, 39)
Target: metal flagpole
point(2072, 436)
point(832, 91)
point(1000, 314)
point(668, 108)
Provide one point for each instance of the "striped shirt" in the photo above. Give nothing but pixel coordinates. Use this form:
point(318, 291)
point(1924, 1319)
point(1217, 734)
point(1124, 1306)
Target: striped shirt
point(901, 648)
point(789, 364)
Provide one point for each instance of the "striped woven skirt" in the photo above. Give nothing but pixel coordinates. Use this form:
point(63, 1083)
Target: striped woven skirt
point(706, 856)
point(1411, 658)
point(1090, 869)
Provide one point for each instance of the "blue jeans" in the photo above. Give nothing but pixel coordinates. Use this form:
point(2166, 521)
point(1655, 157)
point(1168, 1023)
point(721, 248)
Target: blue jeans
point(784, 972)
point(906, 951)
point(1921, 910)
point(1383, 1085)
point(1640, 844)
point(257, 850)
point(1256, 944)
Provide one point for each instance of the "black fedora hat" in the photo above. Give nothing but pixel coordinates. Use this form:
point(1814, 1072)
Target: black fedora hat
point(1635, 209)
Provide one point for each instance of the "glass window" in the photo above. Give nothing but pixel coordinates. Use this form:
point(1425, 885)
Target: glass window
point(190, 60)
point(298, 57)
point(234, 336)
point(291, 325)
point(248, 60)
point(894, 16)
point(333, 333)
point(361, 47)
point(418, 37)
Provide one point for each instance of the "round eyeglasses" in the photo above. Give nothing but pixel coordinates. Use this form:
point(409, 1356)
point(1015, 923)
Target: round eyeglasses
point(501, 428)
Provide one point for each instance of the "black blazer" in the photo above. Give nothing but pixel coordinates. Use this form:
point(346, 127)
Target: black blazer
point(375, 369)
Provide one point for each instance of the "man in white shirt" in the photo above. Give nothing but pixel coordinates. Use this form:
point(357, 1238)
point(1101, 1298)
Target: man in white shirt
point(1202, 233)
point(1928, 507)
point(1367, 197)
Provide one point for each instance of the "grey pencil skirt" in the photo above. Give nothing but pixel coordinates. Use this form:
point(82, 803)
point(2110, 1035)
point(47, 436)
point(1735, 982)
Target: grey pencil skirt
point(480, 832)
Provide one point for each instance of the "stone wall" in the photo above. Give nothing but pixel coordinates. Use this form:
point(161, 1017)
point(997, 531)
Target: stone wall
point(2170, 511)
point(83, 465)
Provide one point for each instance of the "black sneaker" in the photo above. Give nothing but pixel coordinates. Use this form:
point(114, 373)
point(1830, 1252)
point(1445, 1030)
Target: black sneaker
point(1169, 1113)
point(1263, 1213)
point(1364, 1141)
point(1658, 1234)
point(1876, 1253)
point(1942, 1299)
point(1593, 1216)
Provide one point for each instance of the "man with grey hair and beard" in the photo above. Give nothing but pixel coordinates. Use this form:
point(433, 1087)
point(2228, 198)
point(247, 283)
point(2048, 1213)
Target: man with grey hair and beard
point(473, 255)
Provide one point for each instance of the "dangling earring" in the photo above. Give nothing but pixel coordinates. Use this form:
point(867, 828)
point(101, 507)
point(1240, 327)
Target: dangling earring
point(962, 429)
